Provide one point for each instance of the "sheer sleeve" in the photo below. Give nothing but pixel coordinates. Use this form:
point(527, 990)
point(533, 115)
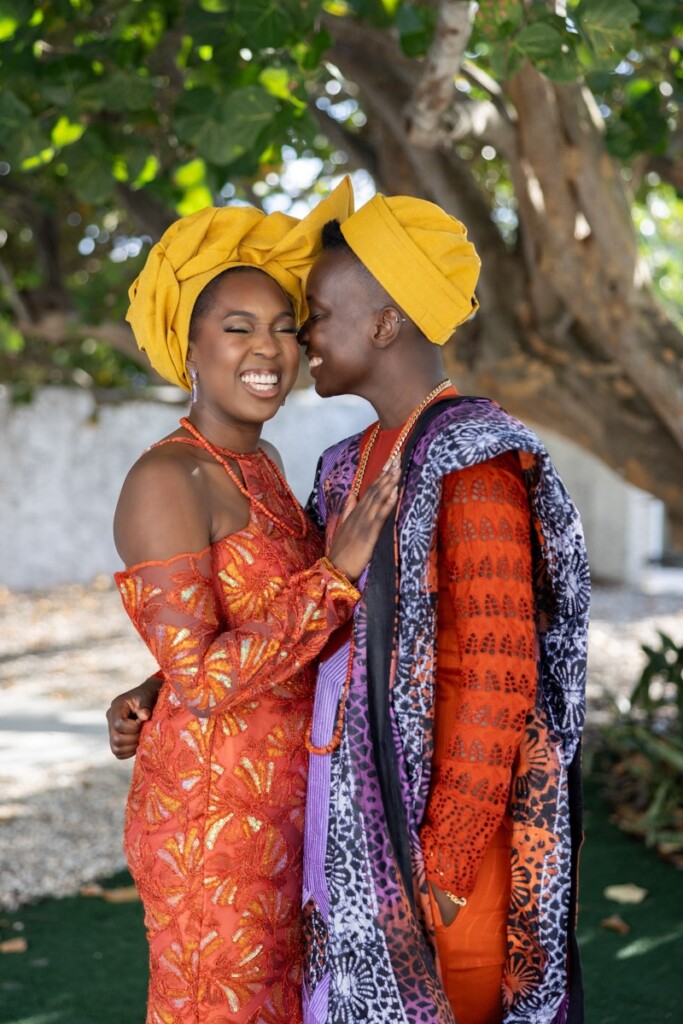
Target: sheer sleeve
point(487, 665)
point(176, 611)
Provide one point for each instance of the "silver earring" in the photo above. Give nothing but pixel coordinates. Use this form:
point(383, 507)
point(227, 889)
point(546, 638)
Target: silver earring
point(193, 383)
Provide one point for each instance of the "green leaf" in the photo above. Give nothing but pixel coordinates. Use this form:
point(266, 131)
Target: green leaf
point(277, 81)
point(538, 41)
point(65, 132)
point(196, 198)
point(118, 91)
point(309, 54)
point(415, 26)
point(223, 129)
point(266, 23)
point(190, 174)
point(90, 169)
point(606, 26)
point(11, 340)
point(8, 27)
point(22, 138)
point(497, 19)
point(505, 60)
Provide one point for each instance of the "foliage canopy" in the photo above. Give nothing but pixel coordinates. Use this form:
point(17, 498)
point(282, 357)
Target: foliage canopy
point(117, 116)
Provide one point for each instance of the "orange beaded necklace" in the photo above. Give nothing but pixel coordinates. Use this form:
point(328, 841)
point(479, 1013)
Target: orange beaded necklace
point(221, 455)
point(355, 489)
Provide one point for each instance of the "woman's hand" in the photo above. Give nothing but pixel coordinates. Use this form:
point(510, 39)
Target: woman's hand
point(126, 714)
point(447, 908)
point(355, 538)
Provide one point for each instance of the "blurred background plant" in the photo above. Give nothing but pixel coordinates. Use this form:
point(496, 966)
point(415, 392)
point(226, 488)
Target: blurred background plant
point(640, 761)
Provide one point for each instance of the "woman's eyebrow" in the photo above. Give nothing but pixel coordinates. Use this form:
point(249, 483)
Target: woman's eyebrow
point(252, 316)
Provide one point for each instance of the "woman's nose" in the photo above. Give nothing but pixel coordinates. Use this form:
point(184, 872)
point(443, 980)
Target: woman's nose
point(267, 343)
point(302, 333)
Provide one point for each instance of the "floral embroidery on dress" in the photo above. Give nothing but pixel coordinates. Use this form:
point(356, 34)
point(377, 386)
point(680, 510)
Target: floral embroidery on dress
point(215, 814)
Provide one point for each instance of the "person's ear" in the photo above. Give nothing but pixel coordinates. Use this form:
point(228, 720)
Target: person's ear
point(387, 326)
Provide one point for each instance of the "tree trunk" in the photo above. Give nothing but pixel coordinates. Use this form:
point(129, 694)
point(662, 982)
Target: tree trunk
point(569, 334)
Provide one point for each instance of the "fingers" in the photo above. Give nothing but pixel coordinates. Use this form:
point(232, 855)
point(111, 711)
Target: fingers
point(381, 496)
point(124, 720)
point(124, 735)
point(351, 503)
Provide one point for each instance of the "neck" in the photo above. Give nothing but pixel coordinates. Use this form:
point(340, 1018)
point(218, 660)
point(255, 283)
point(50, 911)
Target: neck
point(236, 437)
point(404, 374)
point(394, 405)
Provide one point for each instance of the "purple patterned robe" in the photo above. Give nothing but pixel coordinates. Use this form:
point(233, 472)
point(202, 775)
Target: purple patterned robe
point(367, 919)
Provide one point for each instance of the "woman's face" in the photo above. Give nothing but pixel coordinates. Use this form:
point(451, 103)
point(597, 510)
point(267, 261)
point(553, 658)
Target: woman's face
point(336, 338)
point(244, 349)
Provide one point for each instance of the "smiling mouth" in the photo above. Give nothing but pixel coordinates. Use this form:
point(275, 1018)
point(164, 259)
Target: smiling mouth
point(260, 383)
point(314, 362)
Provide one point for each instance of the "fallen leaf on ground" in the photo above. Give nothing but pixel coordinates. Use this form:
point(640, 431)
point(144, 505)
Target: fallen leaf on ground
point(91, 889)
point(628, 893)
point(14, 946)
point(616, 924)
point(127, 894)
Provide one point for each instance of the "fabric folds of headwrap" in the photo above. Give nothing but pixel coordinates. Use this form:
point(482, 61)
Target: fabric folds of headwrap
point(197, 248)
point(421, 257)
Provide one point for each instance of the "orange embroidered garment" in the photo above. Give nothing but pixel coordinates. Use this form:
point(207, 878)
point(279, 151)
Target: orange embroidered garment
point(215, 813)
point(486, 675)
point(486, 685)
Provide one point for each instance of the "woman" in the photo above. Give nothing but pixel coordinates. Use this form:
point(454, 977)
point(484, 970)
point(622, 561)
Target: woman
point(226, 584)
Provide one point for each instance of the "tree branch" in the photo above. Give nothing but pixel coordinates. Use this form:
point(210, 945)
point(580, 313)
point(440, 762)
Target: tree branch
point(436, 88)
point(59, 327)
point(13, 297)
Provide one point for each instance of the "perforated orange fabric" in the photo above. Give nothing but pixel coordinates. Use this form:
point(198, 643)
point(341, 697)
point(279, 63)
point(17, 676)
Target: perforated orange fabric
point(215, 814)
point(486, 677)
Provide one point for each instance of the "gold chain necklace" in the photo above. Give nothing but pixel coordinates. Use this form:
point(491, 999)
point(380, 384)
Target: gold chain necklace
point(398, 444)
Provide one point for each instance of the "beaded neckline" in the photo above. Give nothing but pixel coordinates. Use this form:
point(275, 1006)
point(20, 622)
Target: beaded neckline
point(221, 455)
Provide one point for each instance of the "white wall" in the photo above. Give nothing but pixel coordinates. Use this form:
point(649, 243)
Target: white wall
point(623, 525)
point(63, 459)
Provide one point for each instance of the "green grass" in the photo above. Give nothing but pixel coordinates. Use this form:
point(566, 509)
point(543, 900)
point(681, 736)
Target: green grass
point(87, 959)
point(86, 963)
point(636, 977)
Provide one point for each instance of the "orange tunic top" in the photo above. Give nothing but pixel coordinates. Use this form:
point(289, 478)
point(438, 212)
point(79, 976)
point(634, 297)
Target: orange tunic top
point(486, 664)
point(215, 813)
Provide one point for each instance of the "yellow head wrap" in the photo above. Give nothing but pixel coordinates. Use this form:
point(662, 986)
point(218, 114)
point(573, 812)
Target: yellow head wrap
point(421, 257)
point(197, 248)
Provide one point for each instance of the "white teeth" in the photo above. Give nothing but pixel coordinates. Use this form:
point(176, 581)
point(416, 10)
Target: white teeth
point(314, 361)
point(261, 381)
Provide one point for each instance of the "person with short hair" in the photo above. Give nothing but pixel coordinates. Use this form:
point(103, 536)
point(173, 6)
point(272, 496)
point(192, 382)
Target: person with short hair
point(443, 807)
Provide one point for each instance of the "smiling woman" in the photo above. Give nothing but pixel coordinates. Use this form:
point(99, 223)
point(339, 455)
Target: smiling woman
point(227, 584)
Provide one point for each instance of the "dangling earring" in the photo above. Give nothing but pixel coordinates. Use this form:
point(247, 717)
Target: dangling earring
point(193, 382)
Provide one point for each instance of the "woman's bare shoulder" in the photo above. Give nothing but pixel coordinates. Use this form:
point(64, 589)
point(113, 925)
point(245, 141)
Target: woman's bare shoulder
point(162, 511)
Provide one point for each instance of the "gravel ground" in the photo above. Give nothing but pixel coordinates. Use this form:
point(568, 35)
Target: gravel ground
point(64, 653)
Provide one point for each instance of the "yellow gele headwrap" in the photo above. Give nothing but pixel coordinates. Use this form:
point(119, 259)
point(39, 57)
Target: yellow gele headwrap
point(197, 248)
point(421, 257)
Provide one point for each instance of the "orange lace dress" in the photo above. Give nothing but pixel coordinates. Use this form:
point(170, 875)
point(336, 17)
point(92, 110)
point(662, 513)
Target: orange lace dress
point(215, 813)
